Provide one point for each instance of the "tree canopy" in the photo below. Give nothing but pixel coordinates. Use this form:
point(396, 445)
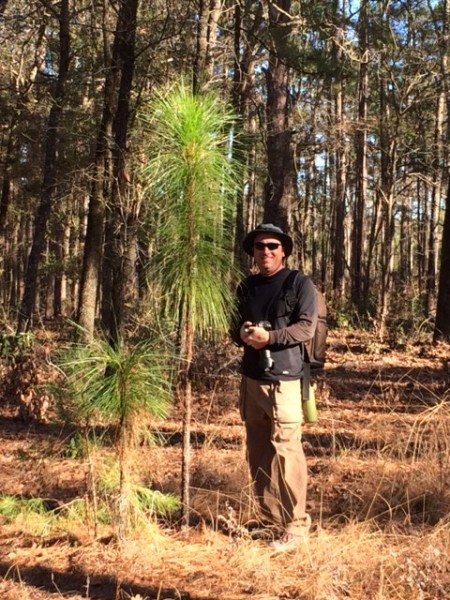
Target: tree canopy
point(343, 137)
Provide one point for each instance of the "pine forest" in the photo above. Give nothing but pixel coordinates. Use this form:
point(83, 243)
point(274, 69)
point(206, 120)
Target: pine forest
point(140, 141)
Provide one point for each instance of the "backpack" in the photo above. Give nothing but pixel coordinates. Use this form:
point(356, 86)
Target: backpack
point(316, 346)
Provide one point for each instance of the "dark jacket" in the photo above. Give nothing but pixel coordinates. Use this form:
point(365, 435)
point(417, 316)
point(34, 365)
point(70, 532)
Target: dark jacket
point(263, 299)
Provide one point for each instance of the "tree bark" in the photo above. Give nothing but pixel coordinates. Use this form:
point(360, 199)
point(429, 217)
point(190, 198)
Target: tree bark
point(122, 231)
point(442, 326)
point(388, 153)
point(357, 264)
point(244, 105)
point(208, 16)
point(49, 176)
point(442, 323)
point(100, 188)
point(278, 190)
point(340, 158)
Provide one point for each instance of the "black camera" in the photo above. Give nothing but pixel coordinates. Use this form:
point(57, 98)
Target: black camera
point(265, 356)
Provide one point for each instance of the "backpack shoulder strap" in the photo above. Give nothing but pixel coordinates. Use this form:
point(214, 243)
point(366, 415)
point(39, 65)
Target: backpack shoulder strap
point(288, 291)
point(291, 288)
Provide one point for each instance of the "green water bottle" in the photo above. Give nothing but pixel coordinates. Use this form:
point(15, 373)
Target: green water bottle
point(309, 405)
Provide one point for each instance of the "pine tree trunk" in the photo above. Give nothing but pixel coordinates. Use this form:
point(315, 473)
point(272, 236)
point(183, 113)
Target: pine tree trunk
point(357, 265)
point(442, 323)
point(93, 245)
point(185, 399)
point(121, 232)
point(278, 188)
point(49, 176)
point(243, 94)
point(388, 168)
point(185, 389)
point(442, 326)
point(124, 450)
point(438, 161)
point(340, 185)
point(208, 16)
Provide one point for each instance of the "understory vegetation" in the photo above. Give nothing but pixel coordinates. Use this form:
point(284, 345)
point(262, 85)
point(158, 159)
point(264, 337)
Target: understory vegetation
point(379, 464)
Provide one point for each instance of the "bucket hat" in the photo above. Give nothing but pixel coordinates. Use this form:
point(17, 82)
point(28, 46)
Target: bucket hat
point(268, 229)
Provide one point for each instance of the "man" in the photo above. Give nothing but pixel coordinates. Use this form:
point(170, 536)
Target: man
point(270, 396)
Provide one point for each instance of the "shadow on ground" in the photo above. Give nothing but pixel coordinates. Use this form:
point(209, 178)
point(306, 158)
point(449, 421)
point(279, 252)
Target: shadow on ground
point(98, 587)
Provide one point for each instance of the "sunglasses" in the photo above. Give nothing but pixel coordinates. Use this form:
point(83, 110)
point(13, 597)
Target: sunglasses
point(269, 245)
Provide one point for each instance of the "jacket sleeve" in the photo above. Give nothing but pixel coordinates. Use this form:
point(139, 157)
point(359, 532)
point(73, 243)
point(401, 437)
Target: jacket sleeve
point(304, 318)
point(238, 318)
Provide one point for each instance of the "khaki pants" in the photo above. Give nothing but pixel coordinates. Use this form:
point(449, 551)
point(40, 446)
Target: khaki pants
point(272, 412)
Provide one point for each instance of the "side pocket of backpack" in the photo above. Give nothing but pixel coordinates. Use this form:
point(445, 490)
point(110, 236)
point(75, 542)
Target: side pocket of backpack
point(317, 346)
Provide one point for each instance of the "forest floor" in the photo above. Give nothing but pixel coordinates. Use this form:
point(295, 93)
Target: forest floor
point(379, 493)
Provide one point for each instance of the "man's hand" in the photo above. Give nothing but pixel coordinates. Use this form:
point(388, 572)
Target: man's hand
point(245, 330)
point(256, 337)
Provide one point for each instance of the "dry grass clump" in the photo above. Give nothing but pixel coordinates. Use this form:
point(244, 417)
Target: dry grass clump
point(355, 562)
point(413, 471)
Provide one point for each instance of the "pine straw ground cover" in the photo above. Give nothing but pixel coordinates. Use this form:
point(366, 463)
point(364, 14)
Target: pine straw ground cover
point(379, 462)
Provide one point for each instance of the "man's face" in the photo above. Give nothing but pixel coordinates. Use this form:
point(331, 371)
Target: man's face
point(268, 254)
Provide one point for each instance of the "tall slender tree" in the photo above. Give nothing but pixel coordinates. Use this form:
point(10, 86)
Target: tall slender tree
point(357, 239)
point(101, 178)
point(388, 162)
point(121, 234)
point(246, 27)
point(341, 159)
point(190, 177)
point(49, 181)
point(278, 190)
point(442, 323)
